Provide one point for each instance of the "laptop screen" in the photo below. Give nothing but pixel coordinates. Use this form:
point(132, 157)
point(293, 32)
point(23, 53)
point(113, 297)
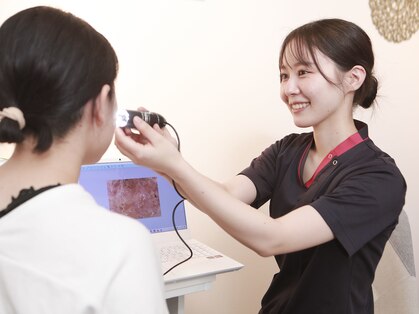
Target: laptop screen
point(134, 191)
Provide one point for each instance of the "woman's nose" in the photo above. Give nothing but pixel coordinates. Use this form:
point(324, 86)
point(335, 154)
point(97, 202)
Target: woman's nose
point(291, 87)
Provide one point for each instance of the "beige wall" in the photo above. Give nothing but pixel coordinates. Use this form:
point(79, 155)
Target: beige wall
point(210, 67)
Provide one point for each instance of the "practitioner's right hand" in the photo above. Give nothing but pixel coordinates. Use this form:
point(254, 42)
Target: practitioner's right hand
point(152, 147)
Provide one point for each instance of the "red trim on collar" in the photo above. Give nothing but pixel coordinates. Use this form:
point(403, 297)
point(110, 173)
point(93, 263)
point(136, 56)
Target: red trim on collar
point(301, 163)
point(343, 147)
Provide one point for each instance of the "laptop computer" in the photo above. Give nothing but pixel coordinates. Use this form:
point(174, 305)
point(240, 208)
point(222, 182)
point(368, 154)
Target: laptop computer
point(142, 194)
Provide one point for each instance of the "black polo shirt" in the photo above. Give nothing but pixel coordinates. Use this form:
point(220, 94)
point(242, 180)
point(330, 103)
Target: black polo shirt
point(359, 194)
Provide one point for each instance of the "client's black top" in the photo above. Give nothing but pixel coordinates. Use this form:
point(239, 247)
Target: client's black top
point(24, 195)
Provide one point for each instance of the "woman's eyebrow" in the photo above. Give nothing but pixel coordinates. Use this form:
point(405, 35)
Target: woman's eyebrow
point(297, 64)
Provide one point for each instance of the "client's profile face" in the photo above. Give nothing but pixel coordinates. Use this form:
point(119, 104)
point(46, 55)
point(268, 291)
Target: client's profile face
point(107, 129)
point(109, 126)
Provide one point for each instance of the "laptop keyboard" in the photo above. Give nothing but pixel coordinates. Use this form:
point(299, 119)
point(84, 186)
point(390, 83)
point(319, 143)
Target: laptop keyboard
point(178, 252)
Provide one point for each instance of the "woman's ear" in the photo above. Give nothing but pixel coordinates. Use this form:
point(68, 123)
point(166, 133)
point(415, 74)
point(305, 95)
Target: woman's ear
point(101, 105)
point(355, 77)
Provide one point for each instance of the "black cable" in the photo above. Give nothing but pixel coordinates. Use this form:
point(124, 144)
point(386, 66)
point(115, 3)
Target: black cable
point(174, 212)
point(177, 135)
point(178, 148)
point(180, 237)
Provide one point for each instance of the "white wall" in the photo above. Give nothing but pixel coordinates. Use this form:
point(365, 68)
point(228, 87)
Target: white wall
point(211, 68)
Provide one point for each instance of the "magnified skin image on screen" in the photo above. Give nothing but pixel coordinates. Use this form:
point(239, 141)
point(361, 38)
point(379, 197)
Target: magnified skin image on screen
point(136, 198)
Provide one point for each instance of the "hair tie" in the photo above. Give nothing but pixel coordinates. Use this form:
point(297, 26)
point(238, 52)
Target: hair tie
point(13, 113)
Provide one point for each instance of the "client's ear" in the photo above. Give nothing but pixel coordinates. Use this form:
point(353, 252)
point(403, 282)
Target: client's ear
point(101, 105)
point(355, 77)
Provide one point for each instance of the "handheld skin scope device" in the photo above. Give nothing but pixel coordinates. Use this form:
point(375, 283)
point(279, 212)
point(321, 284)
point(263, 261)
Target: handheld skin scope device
point(124, 118)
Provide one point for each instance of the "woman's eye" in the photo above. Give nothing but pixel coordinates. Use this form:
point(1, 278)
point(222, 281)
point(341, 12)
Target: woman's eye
point(302, 72)
point(283, 76)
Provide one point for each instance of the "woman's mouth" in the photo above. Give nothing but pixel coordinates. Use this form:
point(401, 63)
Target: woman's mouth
point(296, 107)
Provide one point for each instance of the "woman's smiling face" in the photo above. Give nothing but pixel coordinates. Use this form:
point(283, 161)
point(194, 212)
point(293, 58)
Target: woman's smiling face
point(311, 98)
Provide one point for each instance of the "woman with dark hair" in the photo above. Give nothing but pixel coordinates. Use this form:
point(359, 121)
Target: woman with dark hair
point(60, 252)
point(334, 196)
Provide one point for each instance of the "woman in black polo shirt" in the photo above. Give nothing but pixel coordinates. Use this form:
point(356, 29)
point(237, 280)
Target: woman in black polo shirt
point(334, 196)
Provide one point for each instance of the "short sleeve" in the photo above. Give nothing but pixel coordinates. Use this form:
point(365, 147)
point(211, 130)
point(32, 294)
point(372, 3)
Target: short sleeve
point(274, 165)
point(363, 205)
